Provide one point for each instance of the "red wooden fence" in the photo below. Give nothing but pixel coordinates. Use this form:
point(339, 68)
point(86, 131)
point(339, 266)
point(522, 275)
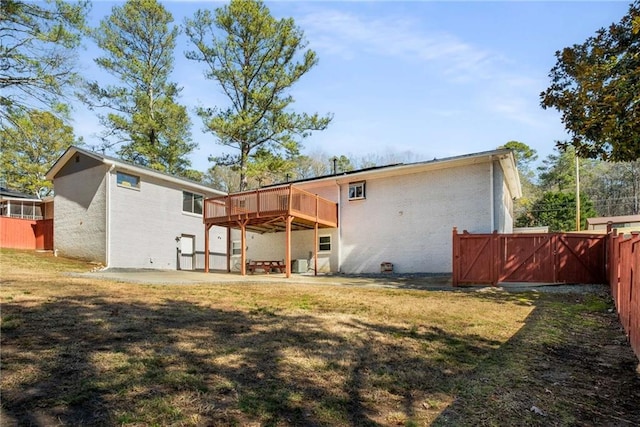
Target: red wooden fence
point(624, 279)
point(556, 258)
point(20, 233)
point(531, 257)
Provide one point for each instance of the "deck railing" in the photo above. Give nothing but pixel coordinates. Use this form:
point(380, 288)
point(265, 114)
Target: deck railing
point(270, 202)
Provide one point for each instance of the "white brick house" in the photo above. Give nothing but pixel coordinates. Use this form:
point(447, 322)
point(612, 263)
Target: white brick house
point(403, 214)
point(126, 216)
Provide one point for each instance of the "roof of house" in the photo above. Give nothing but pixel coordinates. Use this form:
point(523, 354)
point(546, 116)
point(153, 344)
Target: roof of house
point(7, 193)
point(504, 156)
point(614, 219)
point(123, 165)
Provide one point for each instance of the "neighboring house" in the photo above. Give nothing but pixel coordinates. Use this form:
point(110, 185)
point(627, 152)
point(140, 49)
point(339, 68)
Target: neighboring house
point(126, 216)
point(626, 222)
point(14, 204)
point(401, 214)
point(25, 220)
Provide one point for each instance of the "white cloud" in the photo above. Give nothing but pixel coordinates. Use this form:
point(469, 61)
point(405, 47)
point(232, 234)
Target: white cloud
point(347, 35)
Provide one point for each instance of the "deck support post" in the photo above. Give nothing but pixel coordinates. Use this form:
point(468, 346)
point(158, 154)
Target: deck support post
point(287, 260)
point(243, 250)
point(229, 249)
point(315, 250)
point(207, 227)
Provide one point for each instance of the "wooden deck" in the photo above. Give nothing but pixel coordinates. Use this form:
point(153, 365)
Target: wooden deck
point(267, 210)
point(285, 208)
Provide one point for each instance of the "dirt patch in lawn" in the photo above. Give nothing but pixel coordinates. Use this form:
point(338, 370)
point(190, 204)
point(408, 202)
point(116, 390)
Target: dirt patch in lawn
point(80, 351)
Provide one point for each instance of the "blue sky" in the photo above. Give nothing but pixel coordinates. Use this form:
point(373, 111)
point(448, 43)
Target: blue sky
point(438, 79)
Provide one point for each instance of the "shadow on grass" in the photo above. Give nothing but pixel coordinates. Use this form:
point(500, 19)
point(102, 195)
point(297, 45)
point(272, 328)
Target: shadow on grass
point(89, 361)
point(569, 365)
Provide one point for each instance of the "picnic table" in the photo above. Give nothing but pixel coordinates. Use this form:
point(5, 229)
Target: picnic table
point(266, 266)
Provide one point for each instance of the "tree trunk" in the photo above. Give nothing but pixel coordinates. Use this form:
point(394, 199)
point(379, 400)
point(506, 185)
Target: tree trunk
point(244, 157)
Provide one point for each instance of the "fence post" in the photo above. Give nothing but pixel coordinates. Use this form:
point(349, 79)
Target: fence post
point(495, 250)
point(456, 258)
point(634, 301)
point(614, 279)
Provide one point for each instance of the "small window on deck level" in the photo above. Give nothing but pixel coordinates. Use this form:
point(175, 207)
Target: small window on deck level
point(236, 249)
point(357, 190)
point(324, 243)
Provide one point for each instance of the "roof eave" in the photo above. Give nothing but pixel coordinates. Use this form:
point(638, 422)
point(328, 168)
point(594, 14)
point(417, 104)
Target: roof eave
point(71, 151)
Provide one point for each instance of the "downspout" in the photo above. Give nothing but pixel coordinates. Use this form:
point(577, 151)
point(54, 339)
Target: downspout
point(107, 230)
point(491, 196)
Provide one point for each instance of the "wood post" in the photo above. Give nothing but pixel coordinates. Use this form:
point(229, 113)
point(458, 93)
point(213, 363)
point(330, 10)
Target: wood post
point(243, 250)
point(495, 259)
point(229, 249)
point(315, 250)
point(455, 259)
point(287, 259)
point(207, 227)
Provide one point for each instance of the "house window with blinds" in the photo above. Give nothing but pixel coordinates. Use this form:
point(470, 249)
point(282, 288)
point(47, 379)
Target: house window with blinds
point(324, 243)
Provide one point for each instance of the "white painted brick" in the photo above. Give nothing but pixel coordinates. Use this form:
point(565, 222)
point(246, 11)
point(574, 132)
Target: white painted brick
point(79, 222)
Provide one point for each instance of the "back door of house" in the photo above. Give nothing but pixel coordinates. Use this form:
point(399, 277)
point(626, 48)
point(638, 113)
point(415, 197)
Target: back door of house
point(187, 247)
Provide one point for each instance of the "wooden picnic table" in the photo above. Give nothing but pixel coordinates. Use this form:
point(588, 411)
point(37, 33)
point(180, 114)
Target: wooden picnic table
point(266, 266)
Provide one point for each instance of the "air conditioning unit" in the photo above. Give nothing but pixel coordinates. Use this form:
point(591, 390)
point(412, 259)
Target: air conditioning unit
point(299, 266)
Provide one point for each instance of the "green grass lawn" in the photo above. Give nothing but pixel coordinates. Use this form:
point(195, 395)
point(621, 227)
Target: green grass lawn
point(78, 351)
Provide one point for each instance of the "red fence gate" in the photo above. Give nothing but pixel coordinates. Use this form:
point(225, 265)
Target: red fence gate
point(535, 257)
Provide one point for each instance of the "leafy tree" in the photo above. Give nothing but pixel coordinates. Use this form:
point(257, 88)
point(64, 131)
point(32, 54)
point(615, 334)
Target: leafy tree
point(558, 171)
point(38, 46)
point(615, 188)
point(223, 178)
point(312, 165)
point(386, 158)
point(29, 146)
point(138, 42)
point(557, 210)
point(341, 164)
point(255, 59)
point(596, 87)
point(524, 156)
point(267, 168)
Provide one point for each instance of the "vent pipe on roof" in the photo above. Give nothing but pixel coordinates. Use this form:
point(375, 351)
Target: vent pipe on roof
point(334, 159)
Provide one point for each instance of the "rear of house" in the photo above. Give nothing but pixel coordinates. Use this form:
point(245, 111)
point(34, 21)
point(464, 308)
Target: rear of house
point(125, 216)
point(401, 214)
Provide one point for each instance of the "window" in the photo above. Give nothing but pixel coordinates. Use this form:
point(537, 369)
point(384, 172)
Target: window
point(236, 249)
point(324, 243)
point(192, 202)
point(126, 180)
point(356, 190)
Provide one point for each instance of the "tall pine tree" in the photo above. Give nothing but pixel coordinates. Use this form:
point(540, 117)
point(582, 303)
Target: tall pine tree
point(37, 51)
point(255, 59)
point(145, 120)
